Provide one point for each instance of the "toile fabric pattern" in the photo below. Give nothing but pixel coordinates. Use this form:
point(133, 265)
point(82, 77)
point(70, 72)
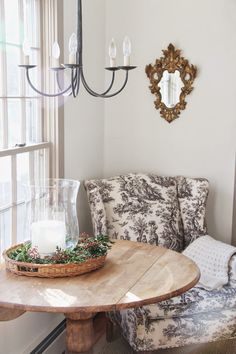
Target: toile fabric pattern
point(192, 196)
point(196, 300)
point(232, 271)
point(145, 334)
point(136, 194)
point(138, 207)
point(97, 210)
point(196, 316)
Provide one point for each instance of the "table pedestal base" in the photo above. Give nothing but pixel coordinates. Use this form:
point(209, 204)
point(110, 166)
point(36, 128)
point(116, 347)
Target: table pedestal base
point(83, 330)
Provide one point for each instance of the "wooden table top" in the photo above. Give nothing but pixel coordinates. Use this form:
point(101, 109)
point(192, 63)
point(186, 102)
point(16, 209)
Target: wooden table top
point(134, 274)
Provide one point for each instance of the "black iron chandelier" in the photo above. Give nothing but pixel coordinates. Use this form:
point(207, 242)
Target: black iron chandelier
point(75, 65)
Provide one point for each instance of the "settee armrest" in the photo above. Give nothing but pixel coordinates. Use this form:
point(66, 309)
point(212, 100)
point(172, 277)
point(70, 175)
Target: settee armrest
point(232, 271)
point(213, 258)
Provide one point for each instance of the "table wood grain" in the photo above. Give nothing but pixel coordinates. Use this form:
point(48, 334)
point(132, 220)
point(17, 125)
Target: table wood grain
point(134, 274)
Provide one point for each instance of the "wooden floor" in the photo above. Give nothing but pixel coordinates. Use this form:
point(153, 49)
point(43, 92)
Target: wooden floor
point(119, 346)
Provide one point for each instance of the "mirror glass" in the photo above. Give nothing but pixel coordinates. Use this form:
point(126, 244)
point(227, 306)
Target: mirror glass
point(170, 87)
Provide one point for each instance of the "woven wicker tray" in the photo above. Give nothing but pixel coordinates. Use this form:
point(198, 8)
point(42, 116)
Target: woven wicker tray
point(51, 270)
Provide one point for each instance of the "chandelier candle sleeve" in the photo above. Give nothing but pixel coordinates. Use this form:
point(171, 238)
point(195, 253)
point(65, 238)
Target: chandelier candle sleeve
point(47, 235)
point(126, 51)
point(26, 51)
point(73, 46)
point(112, 53)
point(55, 55)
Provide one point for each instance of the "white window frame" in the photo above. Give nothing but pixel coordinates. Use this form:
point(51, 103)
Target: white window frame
point(52, 129)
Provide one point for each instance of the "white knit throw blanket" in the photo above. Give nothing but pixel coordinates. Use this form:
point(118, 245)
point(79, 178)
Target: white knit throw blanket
point(212, 258)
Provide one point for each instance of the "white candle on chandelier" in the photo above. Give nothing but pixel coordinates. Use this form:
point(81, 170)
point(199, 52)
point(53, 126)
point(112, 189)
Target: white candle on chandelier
point(112, 53)
point(55, 55)
point(73, 46)
point(126, 51)
point(26, 51)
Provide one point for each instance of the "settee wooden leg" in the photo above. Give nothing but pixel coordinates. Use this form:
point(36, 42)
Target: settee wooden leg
point(110, 330)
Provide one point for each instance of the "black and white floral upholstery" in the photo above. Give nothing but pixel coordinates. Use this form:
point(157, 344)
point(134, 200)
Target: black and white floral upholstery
point(141, 207)
point(137, 207)
point(145, 334)
point(192, 195)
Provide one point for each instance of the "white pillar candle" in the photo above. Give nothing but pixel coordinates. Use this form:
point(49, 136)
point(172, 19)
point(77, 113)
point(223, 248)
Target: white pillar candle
point(47, 235)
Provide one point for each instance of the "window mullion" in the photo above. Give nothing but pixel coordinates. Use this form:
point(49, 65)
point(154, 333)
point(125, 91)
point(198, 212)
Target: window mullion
point(3, 75)
point(5, 124)
point(23, 121)
point(22, 79)
point(14, 197)
point(31, 167)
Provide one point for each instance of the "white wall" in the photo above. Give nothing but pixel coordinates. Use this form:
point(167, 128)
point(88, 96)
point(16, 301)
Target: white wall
point(202, 141)
point(23, 334)
point(84, 116)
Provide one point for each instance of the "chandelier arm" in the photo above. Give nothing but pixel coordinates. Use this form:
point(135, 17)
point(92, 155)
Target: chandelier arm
point(58, 81)
point(60, 88)
point(93, 93)
point(102, 95)
point(121, 89)
point(87, 88)
point(69, 88)
point(43, 93)
point(111, 84)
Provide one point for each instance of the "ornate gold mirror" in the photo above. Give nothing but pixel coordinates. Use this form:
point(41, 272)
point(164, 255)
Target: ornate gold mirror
point(171, 80)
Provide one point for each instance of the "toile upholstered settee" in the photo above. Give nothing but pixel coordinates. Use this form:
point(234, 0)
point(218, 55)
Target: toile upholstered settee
point(166, 211)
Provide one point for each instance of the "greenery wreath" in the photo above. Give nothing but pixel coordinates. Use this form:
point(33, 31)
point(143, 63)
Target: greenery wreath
point(87, 248)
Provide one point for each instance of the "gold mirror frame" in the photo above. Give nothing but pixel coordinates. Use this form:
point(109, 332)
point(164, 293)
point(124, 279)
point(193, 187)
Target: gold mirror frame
point(171, 62)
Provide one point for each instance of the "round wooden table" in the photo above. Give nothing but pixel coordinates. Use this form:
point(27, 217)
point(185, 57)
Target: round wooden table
point(134, 274)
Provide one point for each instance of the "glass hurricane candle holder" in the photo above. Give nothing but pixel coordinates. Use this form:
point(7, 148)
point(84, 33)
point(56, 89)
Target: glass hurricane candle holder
point(53, 221)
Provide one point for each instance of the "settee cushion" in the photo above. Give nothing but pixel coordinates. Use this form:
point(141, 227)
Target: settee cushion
point(144, 334)
point(137, 207)
point(192, 196)
point(195, 301)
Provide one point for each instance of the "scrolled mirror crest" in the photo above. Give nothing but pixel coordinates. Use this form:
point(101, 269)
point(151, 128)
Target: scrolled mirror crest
point(171, 75)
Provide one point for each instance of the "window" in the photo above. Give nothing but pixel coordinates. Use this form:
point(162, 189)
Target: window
point(25, 144)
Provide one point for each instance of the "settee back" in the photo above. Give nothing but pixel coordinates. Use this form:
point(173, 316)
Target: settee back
point(166, 211)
